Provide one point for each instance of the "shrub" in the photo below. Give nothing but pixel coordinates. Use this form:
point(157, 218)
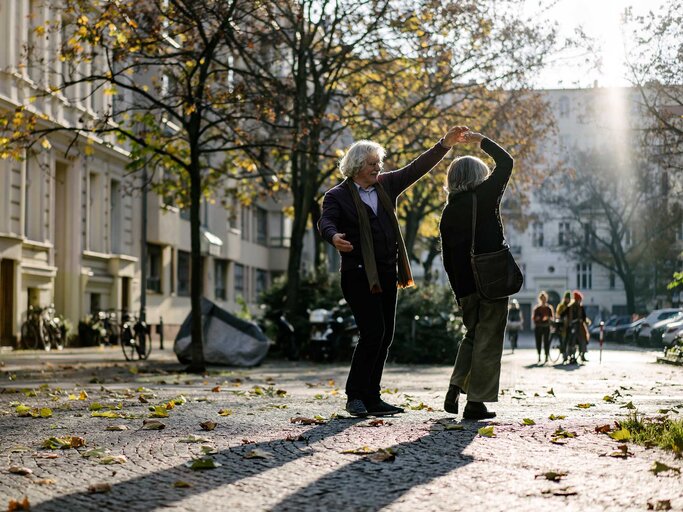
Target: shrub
point(428, 326)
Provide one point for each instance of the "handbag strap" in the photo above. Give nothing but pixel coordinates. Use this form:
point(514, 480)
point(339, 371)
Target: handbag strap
point(474, 220)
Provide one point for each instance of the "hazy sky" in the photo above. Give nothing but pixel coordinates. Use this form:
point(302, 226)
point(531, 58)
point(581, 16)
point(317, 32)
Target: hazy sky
point(601, 19)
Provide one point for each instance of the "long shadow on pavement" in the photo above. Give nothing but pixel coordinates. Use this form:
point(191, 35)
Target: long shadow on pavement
point(156, 490)
point(365, 485)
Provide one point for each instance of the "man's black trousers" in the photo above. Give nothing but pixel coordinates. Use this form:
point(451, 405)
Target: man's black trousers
point(375, 316)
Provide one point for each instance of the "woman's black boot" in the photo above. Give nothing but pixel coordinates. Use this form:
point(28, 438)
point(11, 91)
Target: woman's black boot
point(452, 398)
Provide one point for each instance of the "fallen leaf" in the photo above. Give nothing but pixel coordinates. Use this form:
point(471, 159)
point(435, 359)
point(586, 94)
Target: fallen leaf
point(63, 443)
point(20, 470)
point(83, 395)
point(99, 488)
point(95, 452)
point(660, 467)
point(622, 453)
point(193, 439)
point(203, 463)
point(44, 455)
point(628, 406)
point(208, 450)
point(486, 432)
point(609, 399)
point(554, 476)
point(142, 400)
point(562, 433)
point(158, 411)
point(208, 425)
point(216, 389)
point(116, 428)
point(567, 491)
point(603, 429)
point(554, 417)
point(659, 505)
point(383, 455)
point(152, 425)
point(363, 450)
point(113, 459)
point(528, 421)
point(294, 437)
point(620, 435)
point(44, 481)
point(257, 453)
point(107, 414)
point(374, 423)
point(225, 412)
point(306, 421)
point(585, 406)
point(180, 484)
point(14, 505)
point(551, 392)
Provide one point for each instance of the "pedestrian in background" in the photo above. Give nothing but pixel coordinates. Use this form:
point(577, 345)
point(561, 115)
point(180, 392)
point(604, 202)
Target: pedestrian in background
point(359, 220)
point(542, 315)
point(477, 364)
point(578, 328)
point(561, 317)
point(515, 323)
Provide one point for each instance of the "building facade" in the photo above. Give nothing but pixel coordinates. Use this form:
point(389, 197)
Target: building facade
point(70, 220)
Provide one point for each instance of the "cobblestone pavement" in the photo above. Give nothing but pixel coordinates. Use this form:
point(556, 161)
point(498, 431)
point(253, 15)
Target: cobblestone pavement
point(269, 463)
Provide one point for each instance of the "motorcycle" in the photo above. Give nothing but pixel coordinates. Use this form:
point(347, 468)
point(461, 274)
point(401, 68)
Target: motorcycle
point(334, 333)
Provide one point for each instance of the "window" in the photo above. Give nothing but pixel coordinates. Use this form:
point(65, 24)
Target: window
point(612, 280)
point(183, 274)
point(537, 234)
point(261, 226)
point(239, 280)
point(33, 199)
point(563, 234)
point(154, 268)
point(95, 220)
point(244, 222)
point(584, 276)
point(564, 106)
point(220, 273)
point(115, 215)
point(95, 303)
point(588, 235)
point(261, 282)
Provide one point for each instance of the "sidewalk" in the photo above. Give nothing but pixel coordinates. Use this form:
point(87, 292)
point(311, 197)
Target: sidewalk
point(269, 463)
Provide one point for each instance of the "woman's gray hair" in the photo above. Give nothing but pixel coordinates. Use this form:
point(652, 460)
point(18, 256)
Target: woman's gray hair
point(356, 155)
point(465, 173)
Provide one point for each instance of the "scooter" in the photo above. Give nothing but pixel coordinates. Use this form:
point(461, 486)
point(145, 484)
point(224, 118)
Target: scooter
point(334, 333)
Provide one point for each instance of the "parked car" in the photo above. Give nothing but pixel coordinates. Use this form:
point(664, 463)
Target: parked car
point(673, 330)
point(613, 324)
point(656, 321)
point(628, 332)
point(660, 328)
point(610, 323)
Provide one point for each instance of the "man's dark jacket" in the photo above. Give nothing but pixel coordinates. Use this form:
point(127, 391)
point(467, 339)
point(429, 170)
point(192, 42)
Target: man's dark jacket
point(339, 213)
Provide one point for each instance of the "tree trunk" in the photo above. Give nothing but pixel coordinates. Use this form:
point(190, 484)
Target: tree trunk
point(429, 261)
point(196, 281)
point(318, 242)
point(630, 291)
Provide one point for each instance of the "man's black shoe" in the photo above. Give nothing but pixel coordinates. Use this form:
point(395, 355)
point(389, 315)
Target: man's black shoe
point(356, 407)
point(450, 404)
point(477, 411)
point(381, 408)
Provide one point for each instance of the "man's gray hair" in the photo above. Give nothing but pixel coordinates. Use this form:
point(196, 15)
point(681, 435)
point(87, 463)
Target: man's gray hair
point(356, 155)
point(465, 173)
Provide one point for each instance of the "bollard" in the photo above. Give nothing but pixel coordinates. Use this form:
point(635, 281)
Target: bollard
point(602, 338)
point(160, 330)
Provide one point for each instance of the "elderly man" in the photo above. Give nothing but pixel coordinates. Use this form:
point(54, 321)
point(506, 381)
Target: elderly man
point(359, 220)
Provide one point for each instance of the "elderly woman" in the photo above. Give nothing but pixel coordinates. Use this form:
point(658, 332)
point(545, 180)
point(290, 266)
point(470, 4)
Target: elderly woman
point(359, 220)
point(477, 364)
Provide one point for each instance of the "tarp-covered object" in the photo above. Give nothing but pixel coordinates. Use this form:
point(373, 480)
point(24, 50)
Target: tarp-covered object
point(227, 339)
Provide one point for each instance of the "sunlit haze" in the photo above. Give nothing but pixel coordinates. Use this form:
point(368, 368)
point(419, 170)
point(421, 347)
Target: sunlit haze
point(601, 21)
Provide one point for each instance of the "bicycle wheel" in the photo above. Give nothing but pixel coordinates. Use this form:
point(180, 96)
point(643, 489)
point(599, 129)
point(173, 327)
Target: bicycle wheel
point(128, 345)
point(555, 347)
point(143, 344)
point(29, 340)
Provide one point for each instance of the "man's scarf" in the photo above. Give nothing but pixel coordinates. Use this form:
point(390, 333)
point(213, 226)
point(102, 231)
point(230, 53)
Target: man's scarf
point(405, 277)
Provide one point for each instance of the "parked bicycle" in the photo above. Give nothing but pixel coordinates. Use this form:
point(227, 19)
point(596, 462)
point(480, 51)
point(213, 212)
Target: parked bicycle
point(136, 340)
point(43, 329)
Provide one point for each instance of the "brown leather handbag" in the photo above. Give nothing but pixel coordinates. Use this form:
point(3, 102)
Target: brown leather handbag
point(496, 274)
